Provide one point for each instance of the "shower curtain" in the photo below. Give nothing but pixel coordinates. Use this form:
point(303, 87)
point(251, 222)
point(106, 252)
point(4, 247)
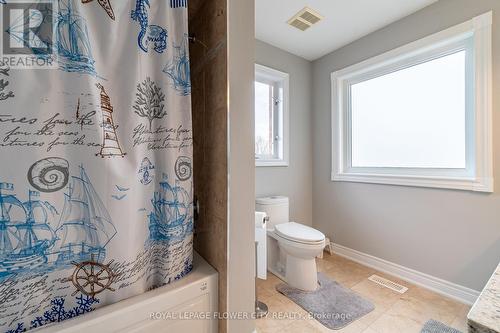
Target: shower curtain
point(96, 185)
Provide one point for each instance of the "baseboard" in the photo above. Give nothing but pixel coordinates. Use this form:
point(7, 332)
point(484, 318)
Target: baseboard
point(443, 287)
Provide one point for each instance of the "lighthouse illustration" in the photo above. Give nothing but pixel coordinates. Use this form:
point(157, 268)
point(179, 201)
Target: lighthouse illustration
point(110, 145)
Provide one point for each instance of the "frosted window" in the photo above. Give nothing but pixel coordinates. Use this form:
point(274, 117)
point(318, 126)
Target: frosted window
point(263, 120)
point(412, 118)
point(271, 117)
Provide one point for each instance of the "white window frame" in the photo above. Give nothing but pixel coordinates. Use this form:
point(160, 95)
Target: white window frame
point(479, 174)
point(264, 73)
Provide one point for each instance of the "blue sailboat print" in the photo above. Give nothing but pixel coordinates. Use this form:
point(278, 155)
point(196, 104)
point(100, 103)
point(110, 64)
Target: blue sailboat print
point(178, 69)
point(37, 39)
point(25, 232)
point(71, 47)
point(170, 219)
point(72, 41)
point(85, 226)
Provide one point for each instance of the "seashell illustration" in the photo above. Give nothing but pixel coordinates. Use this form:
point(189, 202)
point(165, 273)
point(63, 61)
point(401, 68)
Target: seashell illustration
point(183, 169)
point(49, 174)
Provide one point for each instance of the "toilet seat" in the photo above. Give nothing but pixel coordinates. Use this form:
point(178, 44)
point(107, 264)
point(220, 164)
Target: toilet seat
point(299, 233)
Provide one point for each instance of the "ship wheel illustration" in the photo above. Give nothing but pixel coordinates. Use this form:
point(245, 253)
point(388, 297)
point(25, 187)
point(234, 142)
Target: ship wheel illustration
point(91, 277)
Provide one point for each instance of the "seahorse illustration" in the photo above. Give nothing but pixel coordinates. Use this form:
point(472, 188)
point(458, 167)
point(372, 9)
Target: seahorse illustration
point(140, 14)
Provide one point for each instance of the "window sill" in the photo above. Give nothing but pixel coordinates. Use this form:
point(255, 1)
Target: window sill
point(271, 163)
point(467, 184)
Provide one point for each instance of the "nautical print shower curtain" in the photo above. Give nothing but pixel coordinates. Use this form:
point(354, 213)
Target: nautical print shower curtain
point(96, 185)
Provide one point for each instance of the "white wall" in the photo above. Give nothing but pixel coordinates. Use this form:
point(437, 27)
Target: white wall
point(453, 235)
point(294, 181)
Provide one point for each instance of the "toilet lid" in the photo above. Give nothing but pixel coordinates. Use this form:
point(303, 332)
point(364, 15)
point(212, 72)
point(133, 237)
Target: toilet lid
point(299, 232)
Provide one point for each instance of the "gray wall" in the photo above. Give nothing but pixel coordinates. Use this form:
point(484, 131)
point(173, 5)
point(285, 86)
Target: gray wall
point(294, 181)
point(454, 235)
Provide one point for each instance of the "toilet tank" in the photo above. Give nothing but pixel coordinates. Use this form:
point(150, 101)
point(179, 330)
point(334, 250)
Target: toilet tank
point(276, 208)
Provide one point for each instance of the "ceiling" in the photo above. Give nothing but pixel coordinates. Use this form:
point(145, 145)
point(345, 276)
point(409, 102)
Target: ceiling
point(344, 22)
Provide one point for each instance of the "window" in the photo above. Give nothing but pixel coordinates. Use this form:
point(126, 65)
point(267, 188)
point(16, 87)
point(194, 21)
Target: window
point(419, 115)
point(271, 117)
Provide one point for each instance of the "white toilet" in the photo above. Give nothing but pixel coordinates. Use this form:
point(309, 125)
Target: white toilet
point(291, 247)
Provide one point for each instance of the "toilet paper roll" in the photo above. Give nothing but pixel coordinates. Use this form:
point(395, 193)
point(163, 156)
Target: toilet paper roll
point(260, 220)
point(261, 239)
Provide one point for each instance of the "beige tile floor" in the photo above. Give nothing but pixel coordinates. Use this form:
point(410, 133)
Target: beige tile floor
point(394, 312)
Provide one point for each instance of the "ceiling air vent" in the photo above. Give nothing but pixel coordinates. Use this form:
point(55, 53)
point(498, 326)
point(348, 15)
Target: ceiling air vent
point(304, 19)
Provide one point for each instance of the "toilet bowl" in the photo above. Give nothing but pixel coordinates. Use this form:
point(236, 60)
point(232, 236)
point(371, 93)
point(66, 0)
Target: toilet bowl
point(297, 245)
point(301, 244)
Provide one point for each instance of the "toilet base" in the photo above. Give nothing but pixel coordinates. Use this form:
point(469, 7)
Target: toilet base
point(301, 273)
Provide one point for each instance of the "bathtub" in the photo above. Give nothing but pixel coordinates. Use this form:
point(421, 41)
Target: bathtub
point(195, 293)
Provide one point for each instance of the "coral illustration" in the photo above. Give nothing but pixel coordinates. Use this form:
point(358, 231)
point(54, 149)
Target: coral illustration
point(57, 312)
point(149, 101)
point(187, 268)
point(20, 326)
